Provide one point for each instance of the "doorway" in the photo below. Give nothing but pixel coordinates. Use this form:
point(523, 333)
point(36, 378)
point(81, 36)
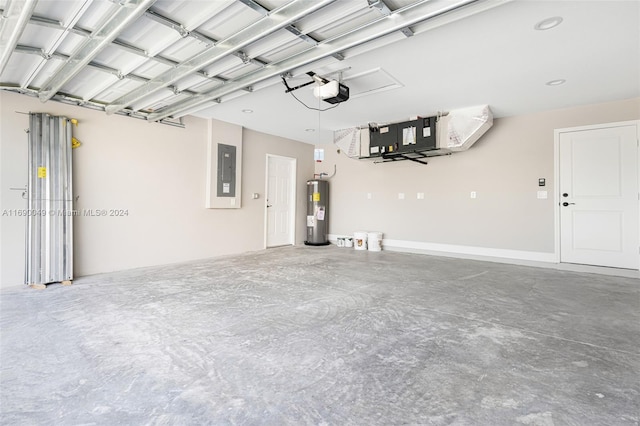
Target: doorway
point(280, 215)
point(598, 195)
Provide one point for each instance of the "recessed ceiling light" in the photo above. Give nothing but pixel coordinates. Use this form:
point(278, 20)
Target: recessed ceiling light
point(557, 82)
point(247, 111)
point(547, 24)
point(309, 130)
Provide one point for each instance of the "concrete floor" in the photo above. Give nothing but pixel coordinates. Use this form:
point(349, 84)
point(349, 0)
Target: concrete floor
point(324, 336)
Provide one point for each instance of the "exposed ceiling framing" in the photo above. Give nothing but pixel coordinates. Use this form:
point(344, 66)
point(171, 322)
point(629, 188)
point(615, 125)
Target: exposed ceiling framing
point(160, 60)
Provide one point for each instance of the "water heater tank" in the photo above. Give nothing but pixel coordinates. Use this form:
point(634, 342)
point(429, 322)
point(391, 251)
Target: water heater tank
point(317, 213)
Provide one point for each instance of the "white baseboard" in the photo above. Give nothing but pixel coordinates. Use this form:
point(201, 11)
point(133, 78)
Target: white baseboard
point(468, 252)
point(515, 257)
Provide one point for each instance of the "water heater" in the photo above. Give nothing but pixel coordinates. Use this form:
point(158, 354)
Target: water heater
point(317, 213)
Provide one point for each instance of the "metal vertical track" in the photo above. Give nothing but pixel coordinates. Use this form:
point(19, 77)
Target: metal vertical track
point(50, 201)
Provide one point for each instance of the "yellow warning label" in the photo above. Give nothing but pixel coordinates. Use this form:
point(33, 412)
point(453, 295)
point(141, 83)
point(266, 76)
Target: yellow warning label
point(75, 143)
point(42, 172)
point(390, 148)
point(316, 196)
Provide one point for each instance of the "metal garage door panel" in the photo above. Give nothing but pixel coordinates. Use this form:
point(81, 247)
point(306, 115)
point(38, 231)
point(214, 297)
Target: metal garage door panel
point(86, 82)
point(70, 44)
point(190, 81)
point(347, 23)
point(49, 69)
point(160, 100)
point(327, 15)
point(115, 57)
point(117, 90)
point(223, 65)
point(184, 49)
point(229, 21)
point(205, 86)
point(14, 72)
point(96, 14)
point(151, 69)
point(191, 14)
point(149, 35)
point(272, 43)
point(38, 36)
point(239, 70)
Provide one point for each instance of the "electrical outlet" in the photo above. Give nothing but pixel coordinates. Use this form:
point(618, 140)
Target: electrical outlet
point(542, 195)
point(420, 196)
point(400, 195)
point(474, 194)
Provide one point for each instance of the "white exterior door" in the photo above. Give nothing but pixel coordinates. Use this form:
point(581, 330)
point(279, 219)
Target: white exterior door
point(598, 186)
point(280, 201)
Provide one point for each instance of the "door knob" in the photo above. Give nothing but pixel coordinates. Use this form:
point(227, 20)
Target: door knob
point(565, 195)
point(566, 204)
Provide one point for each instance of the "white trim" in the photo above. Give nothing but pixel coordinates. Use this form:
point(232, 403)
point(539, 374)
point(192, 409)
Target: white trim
point(556, 167)
point(556, 194)
point(294, 200)
point(451, 249)
point(513, 257)
point(598, 126)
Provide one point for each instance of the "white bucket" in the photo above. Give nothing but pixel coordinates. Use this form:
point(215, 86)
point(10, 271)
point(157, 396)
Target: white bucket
point(360, 240)
point(348, 242)
point(340, 242)
point(375, 241)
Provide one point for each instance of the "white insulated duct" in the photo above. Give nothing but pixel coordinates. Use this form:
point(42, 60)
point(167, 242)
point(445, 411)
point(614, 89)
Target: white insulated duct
point(461, 128)
point(456, 131)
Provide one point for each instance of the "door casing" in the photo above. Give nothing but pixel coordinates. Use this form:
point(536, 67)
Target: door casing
point(292, 199)
point(557, 196)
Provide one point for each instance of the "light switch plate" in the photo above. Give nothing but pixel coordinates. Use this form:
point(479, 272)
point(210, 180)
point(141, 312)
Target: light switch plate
point(542, 195)
point(400, 195)
point(474, 194)
point(420, 196)
point(369, 196)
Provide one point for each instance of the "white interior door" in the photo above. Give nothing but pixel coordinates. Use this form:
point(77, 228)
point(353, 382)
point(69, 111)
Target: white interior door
point(599, 220)
point(280, 201)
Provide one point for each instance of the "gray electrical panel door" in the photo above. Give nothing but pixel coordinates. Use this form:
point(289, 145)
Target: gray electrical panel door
point(226, 170)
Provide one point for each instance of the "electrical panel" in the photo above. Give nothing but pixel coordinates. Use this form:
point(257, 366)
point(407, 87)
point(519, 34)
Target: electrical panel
point(226, 170)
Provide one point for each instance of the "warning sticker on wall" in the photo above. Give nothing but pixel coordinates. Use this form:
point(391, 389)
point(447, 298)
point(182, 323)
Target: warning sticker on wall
point(42, 172)
point(316, 196)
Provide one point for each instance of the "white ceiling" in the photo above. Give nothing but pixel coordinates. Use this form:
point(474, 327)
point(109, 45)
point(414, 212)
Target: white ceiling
point(164, 59)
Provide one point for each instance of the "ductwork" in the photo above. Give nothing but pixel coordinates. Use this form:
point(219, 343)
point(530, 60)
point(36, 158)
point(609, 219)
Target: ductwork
point(418, 138)
point(461, 128)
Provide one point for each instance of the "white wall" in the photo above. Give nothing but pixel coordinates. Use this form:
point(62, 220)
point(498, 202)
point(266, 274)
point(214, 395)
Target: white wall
point(503, 168)
point(155, 172)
